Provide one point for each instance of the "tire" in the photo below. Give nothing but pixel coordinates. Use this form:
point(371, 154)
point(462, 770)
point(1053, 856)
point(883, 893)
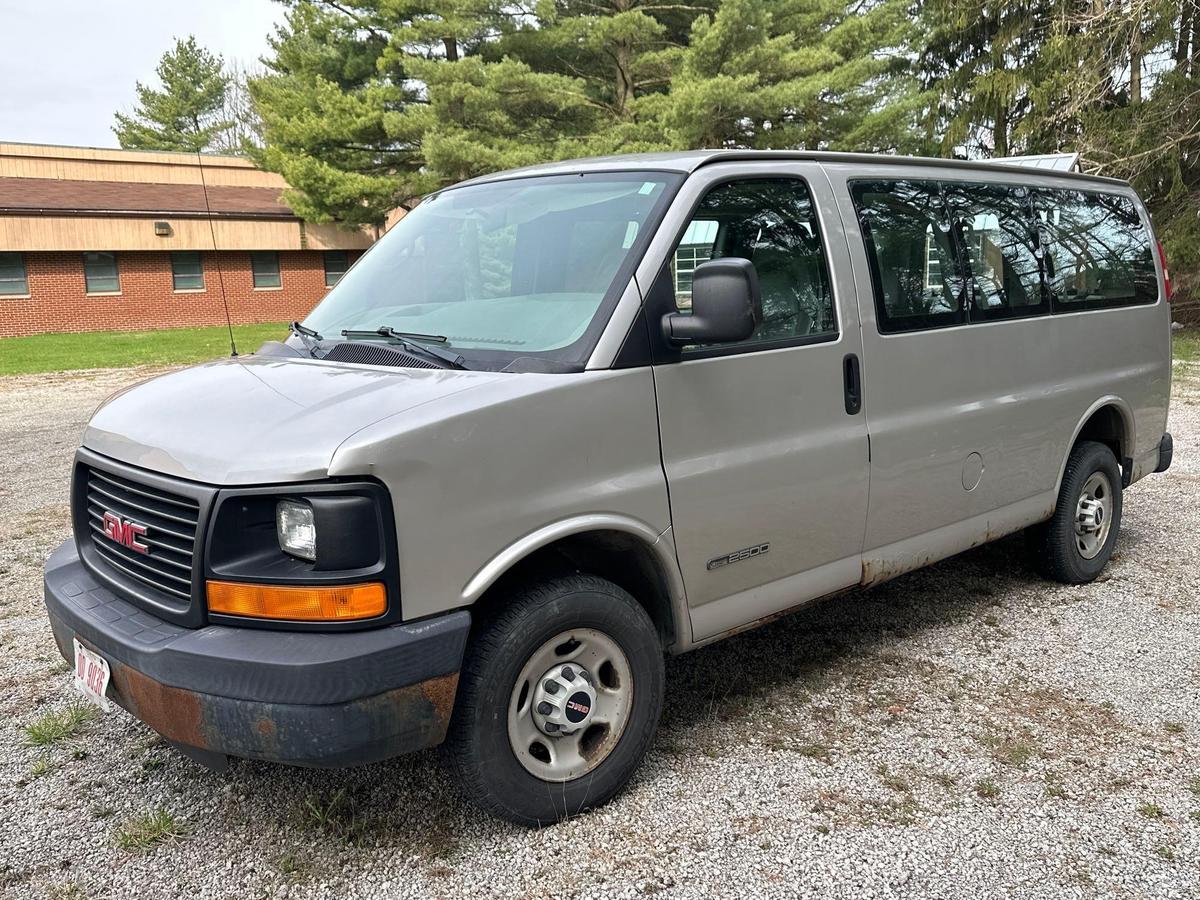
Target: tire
point(1060, 552)
point(605, 622)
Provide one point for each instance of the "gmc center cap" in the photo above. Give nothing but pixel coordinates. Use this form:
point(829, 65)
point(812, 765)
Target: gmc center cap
point(564, 699)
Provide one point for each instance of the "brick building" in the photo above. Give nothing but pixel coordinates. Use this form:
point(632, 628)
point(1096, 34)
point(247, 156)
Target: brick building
point(94, 239)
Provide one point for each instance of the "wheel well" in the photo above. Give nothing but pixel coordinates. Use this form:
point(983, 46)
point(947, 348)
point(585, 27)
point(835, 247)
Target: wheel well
point(617, 556)
point(1107, 426)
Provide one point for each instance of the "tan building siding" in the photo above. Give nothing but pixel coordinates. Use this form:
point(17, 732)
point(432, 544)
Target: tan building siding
point(136, 233)
point(140, 166)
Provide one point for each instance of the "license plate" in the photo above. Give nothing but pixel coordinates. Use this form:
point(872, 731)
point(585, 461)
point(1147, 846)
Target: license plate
point(91, 675)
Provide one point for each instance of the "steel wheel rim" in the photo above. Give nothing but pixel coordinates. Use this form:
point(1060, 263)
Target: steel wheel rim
point(564, 757)
point(1093, 515)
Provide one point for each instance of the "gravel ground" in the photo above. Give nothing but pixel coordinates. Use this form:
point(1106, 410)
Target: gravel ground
point(964, 731)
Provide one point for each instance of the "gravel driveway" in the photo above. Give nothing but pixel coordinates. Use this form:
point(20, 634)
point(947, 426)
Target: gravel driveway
point(964, 731)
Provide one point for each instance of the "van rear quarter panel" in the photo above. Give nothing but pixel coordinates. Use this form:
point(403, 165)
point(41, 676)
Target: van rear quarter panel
point(1016, 392)
point(471, 478)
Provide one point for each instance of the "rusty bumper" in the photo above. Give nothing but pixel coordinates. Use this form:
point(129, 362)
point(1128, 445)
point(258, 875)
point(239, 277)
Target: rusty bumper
point(303, 698)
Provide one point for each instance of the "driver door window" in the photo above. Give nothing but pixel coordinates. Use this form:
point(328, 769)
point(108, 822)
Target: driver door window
point(772, 223)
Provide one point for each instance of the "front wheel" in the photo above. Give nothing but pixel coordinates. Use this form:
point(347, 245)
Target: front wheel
point(1075, 545)
point(558, 700)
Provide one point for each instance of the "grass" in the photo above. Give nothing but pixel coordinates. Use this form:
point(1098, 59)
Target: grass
point(1151, 811)
point(987, 789)
point(119, 349)
point(58, 726)
point(1185, 345)
point(334, 814)
point(155, 827)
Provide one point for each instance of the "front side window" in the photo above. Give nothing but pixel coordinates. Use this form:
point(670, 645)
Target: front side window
point(100, 273)
point(13, 279)
point(772, 223)
point(999, 250)
point(1097, 251)
point(910, 246)
point(335, 266)
point(187, 271)
point(505, 271)
point(265, 266)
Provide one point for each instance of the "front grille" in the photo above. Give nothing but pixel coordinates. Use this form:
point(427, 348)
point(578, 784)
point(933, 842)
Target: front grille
point(171, 523)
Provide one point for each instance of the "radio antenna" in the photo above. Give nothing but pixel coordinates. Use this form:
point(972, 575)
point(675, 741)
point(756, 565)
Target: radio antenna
point(212, 230)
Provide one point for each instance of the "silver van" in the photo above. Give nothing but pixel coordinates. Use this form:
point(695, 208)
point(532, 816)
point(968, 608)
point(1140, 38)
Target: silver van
point(561, 421)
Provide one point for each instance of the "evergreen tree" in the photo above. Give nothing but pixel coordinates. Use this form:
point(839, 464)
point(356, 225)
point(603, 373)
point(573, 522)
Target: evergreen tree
point(476, 113)
point(624, 52)
point(980, 62)
point(323, 102)
point(815, 74)
point(187, 113)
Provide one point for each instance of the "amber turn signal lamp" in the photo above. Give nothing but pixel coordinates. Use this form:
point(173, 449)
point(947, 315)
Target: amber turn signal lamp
point(337, 603)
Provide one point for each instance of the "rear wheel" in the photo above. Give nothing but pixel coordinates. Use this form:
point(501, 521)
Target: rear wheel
point(558, 700)
point(1075, 544)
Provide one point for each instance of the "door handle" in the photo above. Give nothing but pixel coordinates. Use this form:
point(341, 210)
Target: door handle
point(852, 383)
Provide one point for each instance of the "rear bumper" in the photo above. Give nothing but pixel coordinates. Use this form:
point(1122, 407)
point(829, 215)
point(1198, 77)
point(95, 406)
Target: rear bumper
point(1166, 450)
point(303, 698)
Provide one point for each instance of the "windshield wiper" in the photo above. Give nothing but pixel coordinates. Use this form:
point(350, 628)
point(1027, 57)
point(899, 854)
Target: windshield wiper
point(307, 336)
point(413, 343)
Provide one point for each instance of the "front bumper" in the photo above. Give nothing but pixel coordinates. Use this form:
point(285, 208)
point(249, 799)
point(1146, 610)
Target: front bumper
point(303, 698)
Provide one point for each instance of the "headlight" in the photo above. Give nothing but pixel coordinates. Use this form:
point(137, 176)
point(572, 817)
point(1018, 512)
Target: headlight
point(296, 529)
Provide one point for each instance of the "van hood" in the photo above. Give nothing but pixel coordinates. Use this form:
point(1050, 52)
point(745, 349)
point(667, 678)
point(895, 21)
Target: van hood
point(257, 420)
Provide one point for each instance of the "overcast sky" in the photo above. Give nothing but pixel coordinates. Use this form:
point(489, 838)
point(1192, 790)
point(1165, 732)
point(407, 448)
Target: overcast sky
point(68, 65)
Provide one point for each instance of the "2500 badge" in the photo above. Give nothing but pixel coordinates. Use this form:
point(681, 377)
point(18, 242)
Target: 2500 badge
point(738, 556)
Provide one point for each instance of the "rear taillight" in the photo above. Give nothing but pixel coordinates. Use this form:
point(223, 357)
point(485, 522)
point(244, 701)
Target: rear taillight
point(1162, 258)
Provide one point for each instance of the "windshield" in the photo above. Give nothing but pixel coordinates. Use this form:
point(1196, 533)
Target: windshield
point(504, 270)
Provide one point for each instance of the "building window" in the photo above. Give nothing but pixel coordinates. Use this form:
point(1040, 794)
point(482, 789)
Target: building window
point(100, 273)
point(13, 281)
point(335, 266)
point(265, 265)
point(187, 271)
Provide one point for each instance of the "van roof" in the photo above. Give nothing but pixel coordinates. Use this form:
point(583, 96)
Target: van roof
point(689, 161)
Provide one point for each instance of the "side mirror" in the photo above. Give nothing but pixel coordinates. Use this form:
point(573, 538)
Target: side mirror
point(726, 305)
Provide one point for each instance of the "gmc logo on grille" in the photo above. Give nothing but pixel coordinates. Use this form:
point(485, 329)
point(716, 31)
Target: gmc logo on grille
point(124, 532)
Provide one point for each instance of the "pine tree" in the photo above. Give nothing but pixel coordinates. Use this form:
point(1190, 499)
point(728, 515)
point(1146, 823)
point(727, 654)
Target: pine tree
point(481, 109)
point(624, 53)
point(323, 102)
point(979, 63)
point(186, 114)
point(814, 74)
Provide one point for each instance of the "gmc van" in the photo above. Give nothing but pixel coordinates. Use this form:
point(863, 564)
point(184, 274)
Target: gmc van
point(561, 421)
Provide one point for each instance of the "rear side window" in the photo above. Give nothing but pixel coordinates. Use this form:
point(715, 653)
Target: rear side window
point(1097, 251)
point(999, 249)
point(772, 223)
point(907, 230)
point(952, 253)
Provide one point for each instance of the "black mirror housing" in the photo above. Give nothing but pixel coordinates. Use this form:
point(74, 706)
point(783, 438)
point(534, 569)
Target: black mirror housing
point(726, 305)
